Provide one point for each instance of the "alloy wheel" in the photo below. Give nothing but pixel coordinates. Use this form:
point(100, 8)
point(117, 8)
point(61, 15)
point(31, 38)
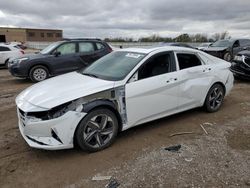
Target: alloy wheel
point(98, 130)
point(40, 74)
point(216, 98)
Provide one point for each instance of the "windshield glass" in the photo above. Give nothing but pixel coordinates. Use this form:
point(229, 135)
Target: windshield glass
point(49, 48)
point(114, 66)
point(221, 43)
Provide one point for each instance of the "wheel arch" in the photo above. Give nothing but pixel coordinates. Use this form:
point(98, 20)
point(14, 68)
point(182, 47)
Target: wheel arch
point(218, 82)
point(40, 64)
point(98, 104)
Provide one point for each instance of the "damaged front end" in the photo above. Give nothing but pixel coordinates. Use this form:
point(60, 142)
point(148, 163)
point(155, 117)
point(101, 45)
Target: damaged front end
point(55, 128)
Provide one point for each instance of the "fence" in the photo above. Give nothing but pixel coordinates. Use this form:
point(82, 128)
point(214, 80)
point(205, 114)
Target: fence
point(42, 45)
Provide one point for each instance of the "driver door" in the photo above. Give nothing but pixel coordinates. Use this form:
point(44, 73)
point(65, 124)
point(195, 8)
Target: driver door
point(153, 90)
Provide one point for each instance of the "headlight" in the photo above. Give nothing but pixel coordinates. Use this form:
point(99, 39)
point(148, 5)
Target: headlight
point(15, 61)
point(54, 112)
point(239, 58)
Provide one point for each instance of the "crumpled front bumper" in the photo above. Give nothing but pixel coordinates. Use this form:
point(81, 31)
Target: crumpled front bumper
point(51, 134)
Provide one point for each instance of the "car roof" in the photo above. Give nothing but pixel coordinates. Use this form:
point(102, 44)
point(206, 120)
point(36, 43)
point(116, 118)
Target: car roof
point(147, 50)
point(6, 45)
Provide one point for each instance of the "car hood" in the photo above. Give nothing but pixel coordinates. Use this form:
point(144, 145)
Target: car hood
point(61, 89)
point(36, 56)
point(215, 49)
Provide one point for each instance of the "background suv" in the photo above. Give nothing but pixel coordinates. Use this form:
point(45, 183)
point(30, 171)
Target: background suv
point(58, 58)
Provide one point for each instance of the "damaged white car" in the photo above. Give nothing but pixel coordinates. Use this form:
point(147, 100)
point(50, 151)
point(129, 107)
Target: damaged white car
point(121, 90)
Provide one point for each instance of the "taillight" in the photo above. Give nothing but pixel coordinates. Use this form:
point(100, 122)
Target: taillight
point(22, 51)
point(110, 49)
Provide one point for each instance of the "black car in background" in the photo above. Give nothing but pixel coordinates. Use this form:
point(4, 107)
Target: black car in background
point(227, 49)
point(58, 58)
point(241, 65)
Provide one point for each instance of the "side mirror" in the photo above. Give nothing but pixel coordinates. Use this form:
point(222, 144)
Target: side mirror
point(56, 54)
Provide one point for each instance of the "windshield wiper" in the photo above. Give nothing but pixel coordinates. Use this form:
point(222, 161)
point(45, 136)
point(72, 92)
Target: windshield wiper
point(91, 75)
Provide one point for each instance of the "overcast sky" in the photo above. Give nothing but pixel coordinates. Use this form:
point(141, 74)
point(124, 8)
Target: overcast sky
point(129, 18)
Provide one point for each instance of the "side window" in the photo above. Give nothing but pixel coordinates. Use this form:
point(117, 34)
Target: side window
point(68, 48)
point(99, 46)
point(4, 49)
point(156, 66)
point(188, 60)
point(244, 42)
point(86, 47)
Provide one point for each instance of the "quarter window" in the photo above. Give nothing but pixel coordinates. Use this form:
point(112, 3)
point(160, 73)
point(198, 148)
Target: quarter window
point(99, 46)
point(68, 48)
point(86, 47)
point(188, 60)
point(156, 66)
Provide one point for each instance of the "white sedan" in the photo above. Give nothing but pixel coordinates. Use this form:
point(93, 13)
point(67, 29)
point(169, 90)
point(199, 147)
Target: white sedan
point(123, 89)
point(8, 52)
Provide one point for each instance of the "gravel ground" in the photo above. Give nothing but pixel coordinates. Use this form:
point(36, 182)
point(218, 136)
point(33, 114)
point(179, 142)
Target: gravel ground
point(138, 158)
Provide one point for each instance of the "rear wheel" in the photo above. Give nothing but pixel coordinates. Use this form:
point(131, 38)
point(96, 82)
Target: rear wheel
point(97, 130)
point(214, 98)
point(38, 73)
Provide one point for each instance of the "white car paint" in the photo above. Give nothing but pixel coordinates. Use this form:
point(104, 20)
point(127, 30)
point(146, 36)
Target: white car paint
point(146, 99)
point(11, 54)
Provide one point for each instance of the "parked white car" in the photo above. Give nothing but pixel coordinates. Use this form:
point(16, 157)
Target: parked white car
point(8, 52)
point(121, 90)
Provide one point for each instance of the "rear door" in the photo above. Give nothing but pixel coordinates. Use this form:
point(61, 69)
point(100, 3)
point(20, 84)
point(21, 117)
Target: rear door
point(87, 53)
point(152, 92)
point(64, 58)
point(194, 81)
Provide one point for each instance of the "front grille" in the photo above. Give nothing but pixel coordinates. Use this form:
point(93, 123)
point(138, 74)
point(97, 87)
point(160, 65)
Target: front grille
point(21, 112)
point(22, 116)
point(247, 60)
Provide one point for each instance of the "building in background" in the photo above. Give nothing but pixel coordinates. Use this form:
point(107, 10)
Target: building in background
point(25, 35)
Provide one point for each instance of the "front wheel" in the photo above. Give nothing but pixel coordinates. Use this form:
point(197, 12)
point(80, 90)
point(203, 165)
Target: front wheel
point(214, 98)
point(38, 73)
point(97, 130)
point(227, 57)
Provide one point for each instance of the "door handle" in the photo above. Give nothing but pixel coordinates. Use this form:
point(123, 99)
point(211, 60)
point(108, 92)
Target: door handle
point(171, 80)
point(207, 70)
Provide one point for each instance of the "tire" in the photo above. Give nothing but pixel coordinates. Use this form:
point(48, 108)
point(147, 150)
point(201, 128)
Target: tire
point(6, 63)
point(97, 130)
point(38, 73)
point(214, 98)
point(227, 56)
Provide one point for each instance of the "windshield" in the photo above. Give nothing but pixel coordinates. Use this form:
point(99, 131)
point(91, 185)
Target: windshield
point(221, 43)
point(114, 66)
point(49, 48)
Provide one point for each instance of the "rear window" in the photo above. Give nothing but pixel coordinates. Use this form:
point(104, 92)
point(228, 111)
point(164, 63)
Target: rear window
point(188, 60)
point(3, 49)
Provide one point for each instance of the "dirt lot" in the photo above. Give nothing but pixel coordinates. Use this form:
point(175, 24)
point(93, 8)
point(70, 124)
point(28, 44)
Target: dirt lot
point(220, 158)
